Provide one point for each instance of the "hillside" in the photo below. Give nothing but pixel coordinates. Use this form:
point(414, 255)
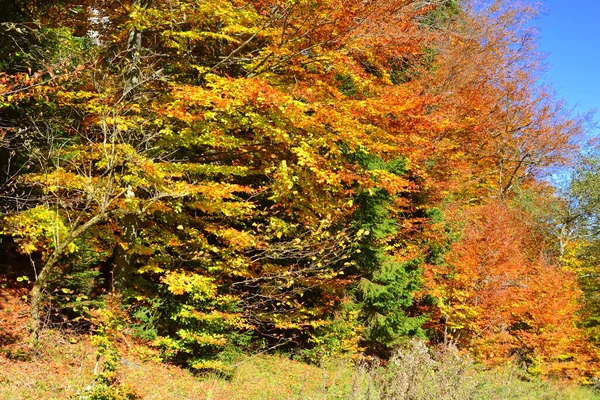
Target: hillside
point(63, 366)
point(202, 182)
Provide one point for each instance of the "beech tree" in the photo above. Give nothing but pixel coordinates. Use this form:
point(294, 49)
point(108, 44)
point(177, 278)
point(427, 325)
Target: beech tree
point(497, 296)
point(273, 172)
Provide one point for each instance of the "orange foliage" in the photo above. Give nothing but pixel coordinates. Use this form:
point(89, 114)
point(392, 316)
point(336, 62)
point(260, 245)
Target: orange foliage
point(498, 296)
point(256, 114)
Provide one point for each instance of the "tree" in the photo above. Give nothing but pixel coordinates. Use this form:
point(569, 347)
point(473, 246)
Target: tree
point(497, 296)
point(579, 225)
point(274, 170)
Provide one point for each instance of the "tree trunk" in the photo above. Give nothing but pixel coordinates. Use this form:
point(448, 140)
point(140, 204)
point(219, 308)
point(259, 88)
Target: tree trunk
point(132, 76)
point(35, 295)
point(123, 263)
point(124, 266)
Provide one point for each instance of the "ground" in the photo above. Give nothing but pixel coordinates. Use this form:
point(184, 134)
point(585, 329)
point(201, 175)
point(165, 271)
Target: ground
point(63, 366)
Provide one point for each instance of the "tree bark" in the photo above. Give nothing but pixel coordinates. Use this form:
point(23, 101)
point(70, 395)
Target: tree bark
point(133, 71)
point(35, 295)
point(124, 266)
point(123, 262)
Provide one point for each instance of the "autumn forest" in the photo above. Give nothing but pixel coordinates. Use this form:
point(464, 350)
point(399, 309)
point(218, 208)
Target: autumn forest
point(319, 179)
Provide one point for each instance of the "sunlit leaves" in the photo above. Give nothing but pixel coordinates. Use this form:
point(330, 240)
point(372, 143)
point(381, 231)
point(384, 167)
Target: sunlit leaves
point(278, 169)
point(497, 296)
point(37, 230)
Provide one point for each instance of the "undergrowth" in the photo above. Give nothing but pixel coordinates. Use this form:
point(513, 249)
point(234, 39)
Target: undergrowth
point(101, 368)
point(109, 364)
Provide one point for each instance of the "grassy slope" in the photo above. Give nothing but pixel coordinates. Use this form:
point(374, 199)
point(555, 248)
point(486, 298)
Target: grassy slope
point(65, 369)
point(62, 367)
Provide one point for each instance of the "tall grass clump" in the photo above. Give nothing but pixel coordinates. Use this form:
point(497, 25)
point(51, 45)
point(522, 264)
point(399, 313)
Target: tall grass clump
point(418, 372)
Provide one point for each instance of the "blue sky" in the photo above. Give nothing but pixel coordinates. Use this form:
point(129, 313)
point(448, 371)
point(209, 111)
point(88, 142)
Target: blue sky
point(569, 35)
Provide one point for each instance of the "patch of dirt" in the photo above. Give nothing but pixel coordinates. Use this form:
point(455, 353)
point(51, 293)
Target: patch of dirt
point(14, 318)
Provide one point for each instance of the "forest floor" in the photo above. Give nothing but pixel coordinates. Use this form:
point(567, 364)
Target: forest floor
point(63, 366)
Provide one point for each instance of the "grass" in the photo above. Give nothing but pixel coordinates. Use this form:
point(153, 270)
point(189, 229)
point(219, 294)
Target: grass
point(58, 369)
point(63, 366)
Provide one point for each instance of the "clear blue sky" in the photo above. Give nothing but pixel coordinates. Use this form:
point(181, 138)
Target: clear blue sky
point(570, 37)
